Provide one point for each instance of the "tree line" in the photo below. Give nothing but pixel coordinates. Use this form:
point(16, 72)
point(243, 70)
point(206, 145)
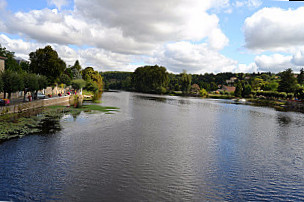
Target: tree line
point(156, 79)
point(45, 68)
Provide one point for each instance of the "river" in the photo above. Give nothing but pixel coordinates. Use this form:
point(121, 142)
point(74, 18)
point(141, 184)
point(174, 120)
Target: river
point(160, 148)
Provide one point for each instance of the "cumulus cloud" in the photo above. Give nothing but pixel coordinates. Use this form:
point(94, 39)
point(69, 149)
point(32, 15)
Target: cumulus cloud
point(274, 63)
point(195, 58)
point(178, 34)
point(275, 29)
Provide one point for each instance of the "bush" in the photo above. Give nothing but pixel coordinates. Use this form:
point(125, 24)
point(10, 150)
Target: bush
point(78, 84)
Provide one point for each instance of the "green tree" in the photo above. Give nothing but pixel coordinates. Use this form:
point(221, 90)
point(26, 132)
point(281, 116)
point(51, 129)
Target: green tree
point(301, 77)
point(76, 66)
point(45, 61)
point(65, 79)
point(246, 90)
point(185, 82)
point(203, 93)
point(78, 84)
point(12, 81)
point(238, 90)
point(88, 74)
point(288, 82)
point(31, 84)
point(10, 63)
point(150, 79)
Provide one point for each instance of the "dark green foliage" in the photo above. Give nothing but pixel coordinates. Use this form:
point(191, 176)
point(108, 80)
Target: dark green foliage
point(65, 79)
point(151, 79)
point(185, 82)
point(288, 82)
point(42, 82)
point(301, 77)
point(238, 90)
point(91, 86)
point(45, 61)
point(117, 80)
point(246, 90)
point(12, 82)
point(300, 93)
point(25, 66)
point(76, 66)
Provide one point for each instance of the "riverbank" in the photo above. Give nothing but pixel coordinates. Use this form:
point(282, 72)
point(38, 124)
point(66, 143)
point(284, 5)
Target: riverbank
point(44, 120)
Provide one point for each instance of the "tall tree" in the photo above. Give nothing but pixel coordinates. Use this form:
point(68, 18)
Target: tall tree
point(91, 76)
point(185, 82)
point(10, 63)
point(238, 90)
point(45, 61)
point(150, 79)
point(301, 77)
point(12, 81)
point(288, 82)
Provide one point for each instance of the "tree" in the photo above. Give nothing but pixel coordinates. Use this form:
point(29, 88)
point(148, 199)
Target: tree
point(31, 84)
point(150, 79)
point(13, 82)
point(10, 63)
point(78, 84)
point(185, 82)
point(288, 82)
point(238, 90)
point(65, 79)
point(203, 93)
point(246, 90)
point(45, 61)
point(89, 75)
point(76, 66)
point(301, 77)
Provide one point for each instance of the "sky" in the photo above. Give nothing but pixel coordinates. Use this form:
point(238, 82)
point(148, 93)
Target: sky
point(198, 36)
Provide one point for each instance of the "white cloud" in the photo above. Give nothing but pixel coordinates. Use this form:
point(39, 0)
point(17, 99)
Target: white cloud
point(58, 3)
point(252, 67)
point(251, 4)
point(274, 63)
point(275, 29)
point(122, 33)
point(195, 58)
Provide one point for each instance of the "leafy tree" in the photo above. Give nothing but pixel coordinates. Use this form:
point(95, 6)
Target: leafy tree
point(91, 86)
point(65, 79)
point(238, 90)
point(246, 90)
point(203, 93)
point(30, 82)
point(301, 77)
point(272, 86)
point(42, 82)
point(150, 79)
point(25, 66)
point(78, 84)
point(76, 66)
point(288, 82)
point(185, 82)
point(10, 63)
point(88, 74)
point(13, 82)
point(45, 61)
point(300, 93)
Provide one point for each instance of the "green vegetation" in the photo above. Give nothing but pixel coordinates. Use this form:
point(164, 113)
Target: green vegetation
point(44, 120)
point(151, 79)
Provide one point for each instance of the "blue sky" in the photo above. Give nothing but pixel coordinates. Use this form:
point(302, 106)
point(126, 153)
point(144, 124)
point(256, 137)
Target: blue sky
point(198, 36)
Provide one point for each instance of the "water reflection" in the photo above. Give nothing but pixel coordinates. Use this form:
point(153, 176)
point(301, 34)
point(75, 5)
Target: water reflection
point(167, 149)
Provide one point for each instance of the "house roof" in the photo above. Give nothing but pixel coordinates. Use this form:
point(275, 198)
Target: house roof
point(2, 58)
point(229, 88)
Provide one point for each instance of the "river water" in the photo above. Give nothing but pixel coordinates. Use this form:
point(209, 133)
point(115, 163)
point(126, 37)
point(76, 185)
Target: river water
point(160, 148)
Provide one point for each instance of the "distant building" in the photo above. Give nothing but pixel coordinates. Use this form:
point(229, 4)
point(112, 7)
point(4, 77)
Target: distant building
point(228, 88)
point(231, 81)
point(2, 63)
